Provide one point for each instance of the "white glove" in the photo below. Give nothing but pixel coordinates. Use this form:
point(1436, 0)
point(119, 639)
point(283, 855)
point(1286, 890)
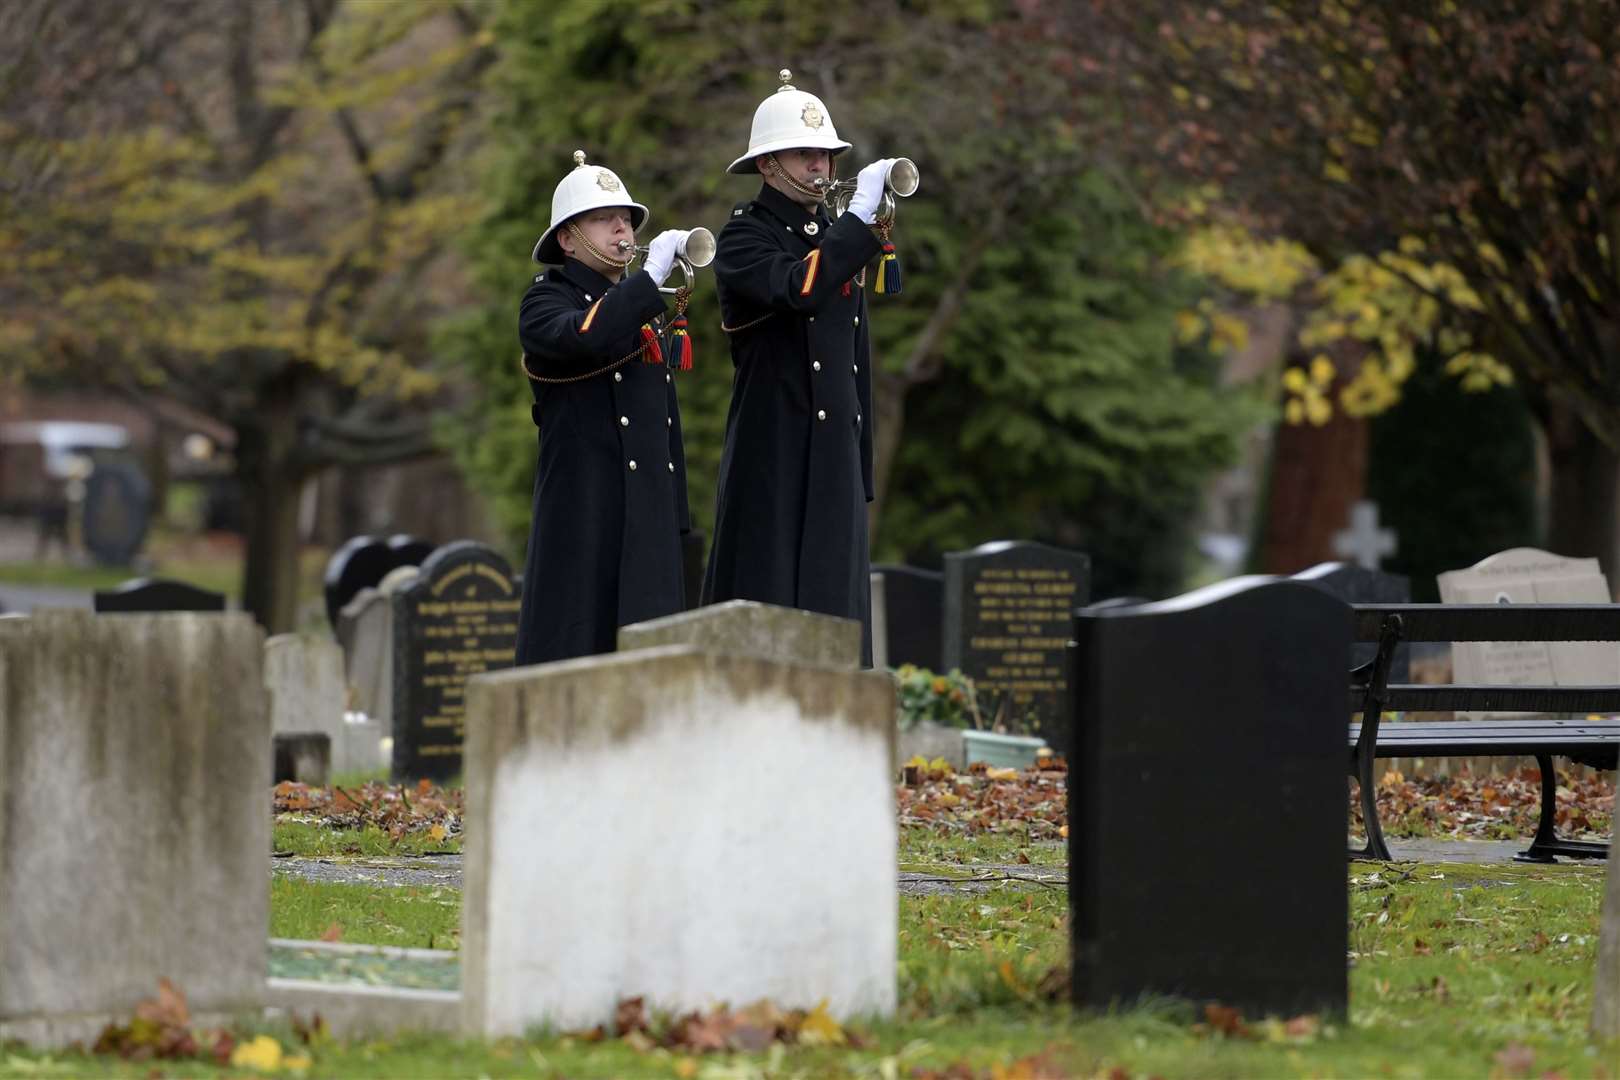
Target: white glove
point(661, 254)
point(869, 189)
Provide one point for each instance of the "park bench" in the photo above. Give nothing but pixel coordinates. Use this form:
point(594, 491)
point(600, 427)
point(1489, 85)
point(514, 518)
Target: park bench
point(1588, 742)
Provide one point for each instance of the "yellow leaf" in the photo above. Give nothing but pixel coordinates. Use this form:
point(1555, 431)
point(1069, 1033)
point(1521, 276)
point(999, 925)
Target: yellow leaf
point(917, 762)
point(438, 832)
point(1063, 831)
point(262, 1053)
point(686, 1068)
point(820, 1029)
point(1001, 774)
point(297, 1063)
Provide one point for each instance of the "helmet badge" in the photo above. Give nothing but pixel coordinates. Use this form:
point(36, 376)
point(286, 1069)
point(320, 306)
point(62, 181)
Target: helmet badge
point(606, 180)
point(812, 116)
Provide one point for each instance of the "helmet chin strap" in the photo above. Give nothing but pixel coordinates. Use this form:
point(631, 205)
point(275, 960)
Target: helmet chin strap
point(803, 189)
point(617, 264)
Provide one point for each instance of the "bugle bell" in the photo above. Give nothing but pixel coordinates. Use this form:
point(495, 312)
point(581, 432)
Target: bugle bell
point(901, 180)
point(696, 250)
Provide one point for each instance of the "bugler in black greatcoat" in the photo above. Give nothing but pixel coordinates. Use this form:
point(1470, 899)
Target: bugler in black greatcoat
point(610, 494)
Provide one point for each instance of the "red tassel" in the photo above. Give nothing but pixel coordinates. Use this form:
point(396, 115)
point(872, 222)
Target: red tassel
point(845, 290)
point(650, 352)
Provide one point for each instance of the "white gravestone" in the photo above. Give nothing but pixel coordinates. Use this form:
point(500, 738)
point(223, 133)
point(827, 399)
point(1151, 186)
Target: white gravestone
point(1530, 576)
point(304, 674)
point(681, 825)
point(134, 760)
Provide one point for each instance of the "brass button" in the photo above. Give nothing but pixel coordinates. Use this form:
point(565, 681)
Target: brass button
point(672, 466)
point(812, 318)
point(857, 320)
point(669, 421)
point(857, 418)
point(855, 369)
point(624, 421)
point(815, 365)
point(618, 376)
point(821, 414)
point(632, 464)
point(666, 376)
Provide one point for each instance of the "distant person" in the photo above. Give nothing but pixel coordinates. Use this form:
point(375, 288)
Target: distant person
point(796, 469)
point(610, 494)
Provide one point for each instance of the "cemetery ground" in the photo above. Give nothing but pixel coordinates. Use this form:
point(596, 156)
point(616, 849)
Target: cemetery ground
point(1455, 969)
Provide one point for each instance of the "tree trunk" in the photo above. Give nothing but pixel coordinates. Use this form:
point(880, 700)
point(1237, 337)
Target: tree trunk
point(1582, 519)
point(889, 402)
point(271, 479)
point(1317, 474)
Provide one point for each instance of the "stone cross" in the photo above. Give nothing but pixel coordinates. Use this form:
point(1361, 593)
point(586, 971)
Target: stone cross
point(1364, 541)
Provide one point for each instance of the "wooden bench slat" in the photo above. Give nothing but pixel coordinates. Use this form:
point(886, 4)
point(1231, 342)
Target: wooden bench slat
point(1491, 622)
point(1451, 698)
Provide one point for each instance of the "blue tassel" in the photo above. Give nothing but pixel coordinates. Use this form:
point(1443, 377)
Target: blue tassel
point(888, 272)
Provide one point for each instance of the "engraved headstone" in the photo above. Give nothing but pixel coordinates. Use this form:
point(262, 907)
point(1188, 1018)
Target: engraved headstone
point(456, 619)
point(1358, 585)
point(1530, 576)
point(1008, 606)
point(913, 603)
point(157, 594)
point(1174, 699)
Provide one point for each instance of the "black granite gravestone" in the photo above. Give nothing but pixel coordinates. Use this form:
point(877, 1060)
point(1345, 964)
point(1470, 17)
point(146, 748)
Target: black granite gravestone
point(1358, 585)
point(156, 594)
point(360, 563)
point(1211, 727)
point(913, 615)
point(117, 512)
point(692, 565)
point(457, 619)
point(1008, 606)
point(410, 550)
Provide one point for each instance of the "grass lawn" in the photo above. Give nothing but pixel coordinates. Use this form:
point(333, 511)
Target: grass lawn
point(1455, 970)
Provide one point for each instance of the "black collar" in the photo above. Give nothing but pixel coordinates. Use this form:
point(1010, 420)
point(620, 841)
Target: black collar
point(588, 280)
point(789, 212)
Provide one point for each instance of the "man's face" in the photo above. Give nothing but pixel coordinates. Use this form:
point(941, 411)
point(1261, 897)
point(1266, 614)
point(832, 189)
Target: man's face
point(604, 228)
point(805, 166)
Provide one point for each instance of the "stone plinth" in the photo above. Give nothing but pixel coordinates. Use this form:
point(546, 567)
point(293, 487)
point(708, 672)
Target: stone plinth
point(749, 628)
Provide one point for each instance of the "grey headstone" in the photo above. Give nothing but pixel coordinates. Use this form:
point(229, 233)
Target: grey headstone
point(304, 757)
point(1008, 606)
point(749, 628)
point(457, 618)
point(368, 656)
point(913, 615)
point(309, 693)
point(1242, 683)
point(1358, 585)
point(133, 757)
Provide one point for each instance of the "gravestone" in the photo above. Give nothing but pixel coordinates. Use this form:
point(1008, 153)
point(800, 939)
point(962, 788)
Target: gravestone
point(1008, 606)
point(1530, 576)
point(133, 757)
point(913, 603)
point(1205, 725)
point(309, 693)
point(750, 628)
point(692, 566)
point(117, 512)
point(360, 562)
point(1358, 585)
point(692, 875)
point(304, 757)
point(1364, 543)
point(149, 595)
point(409, 550)
point(455, 619)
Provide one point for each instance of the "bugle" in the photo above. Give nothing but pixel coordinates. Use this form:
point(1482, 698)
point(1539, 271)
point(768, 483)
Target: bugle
point(696, 250)
point(901, 180)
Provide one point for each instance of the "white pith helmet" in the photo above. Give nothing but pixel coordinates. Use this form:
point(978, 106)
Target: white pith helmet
point(587, 187)
point(789, 119)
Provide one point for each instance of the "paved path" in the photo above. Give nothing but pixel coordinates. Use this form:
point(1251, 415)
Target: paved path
point(445, 870)
point(21, 599)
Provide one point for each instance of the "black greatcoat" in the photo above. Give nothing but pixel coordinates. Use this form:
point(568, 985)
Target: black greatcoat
point(610, 494)
point(796, 468)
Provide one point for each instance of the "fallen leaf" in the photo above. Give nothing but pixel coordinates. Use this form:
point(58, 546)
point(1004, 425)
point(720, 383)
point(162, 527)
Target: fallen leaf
point(333, 932)
point(820, 1029)
point(262, 1053)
